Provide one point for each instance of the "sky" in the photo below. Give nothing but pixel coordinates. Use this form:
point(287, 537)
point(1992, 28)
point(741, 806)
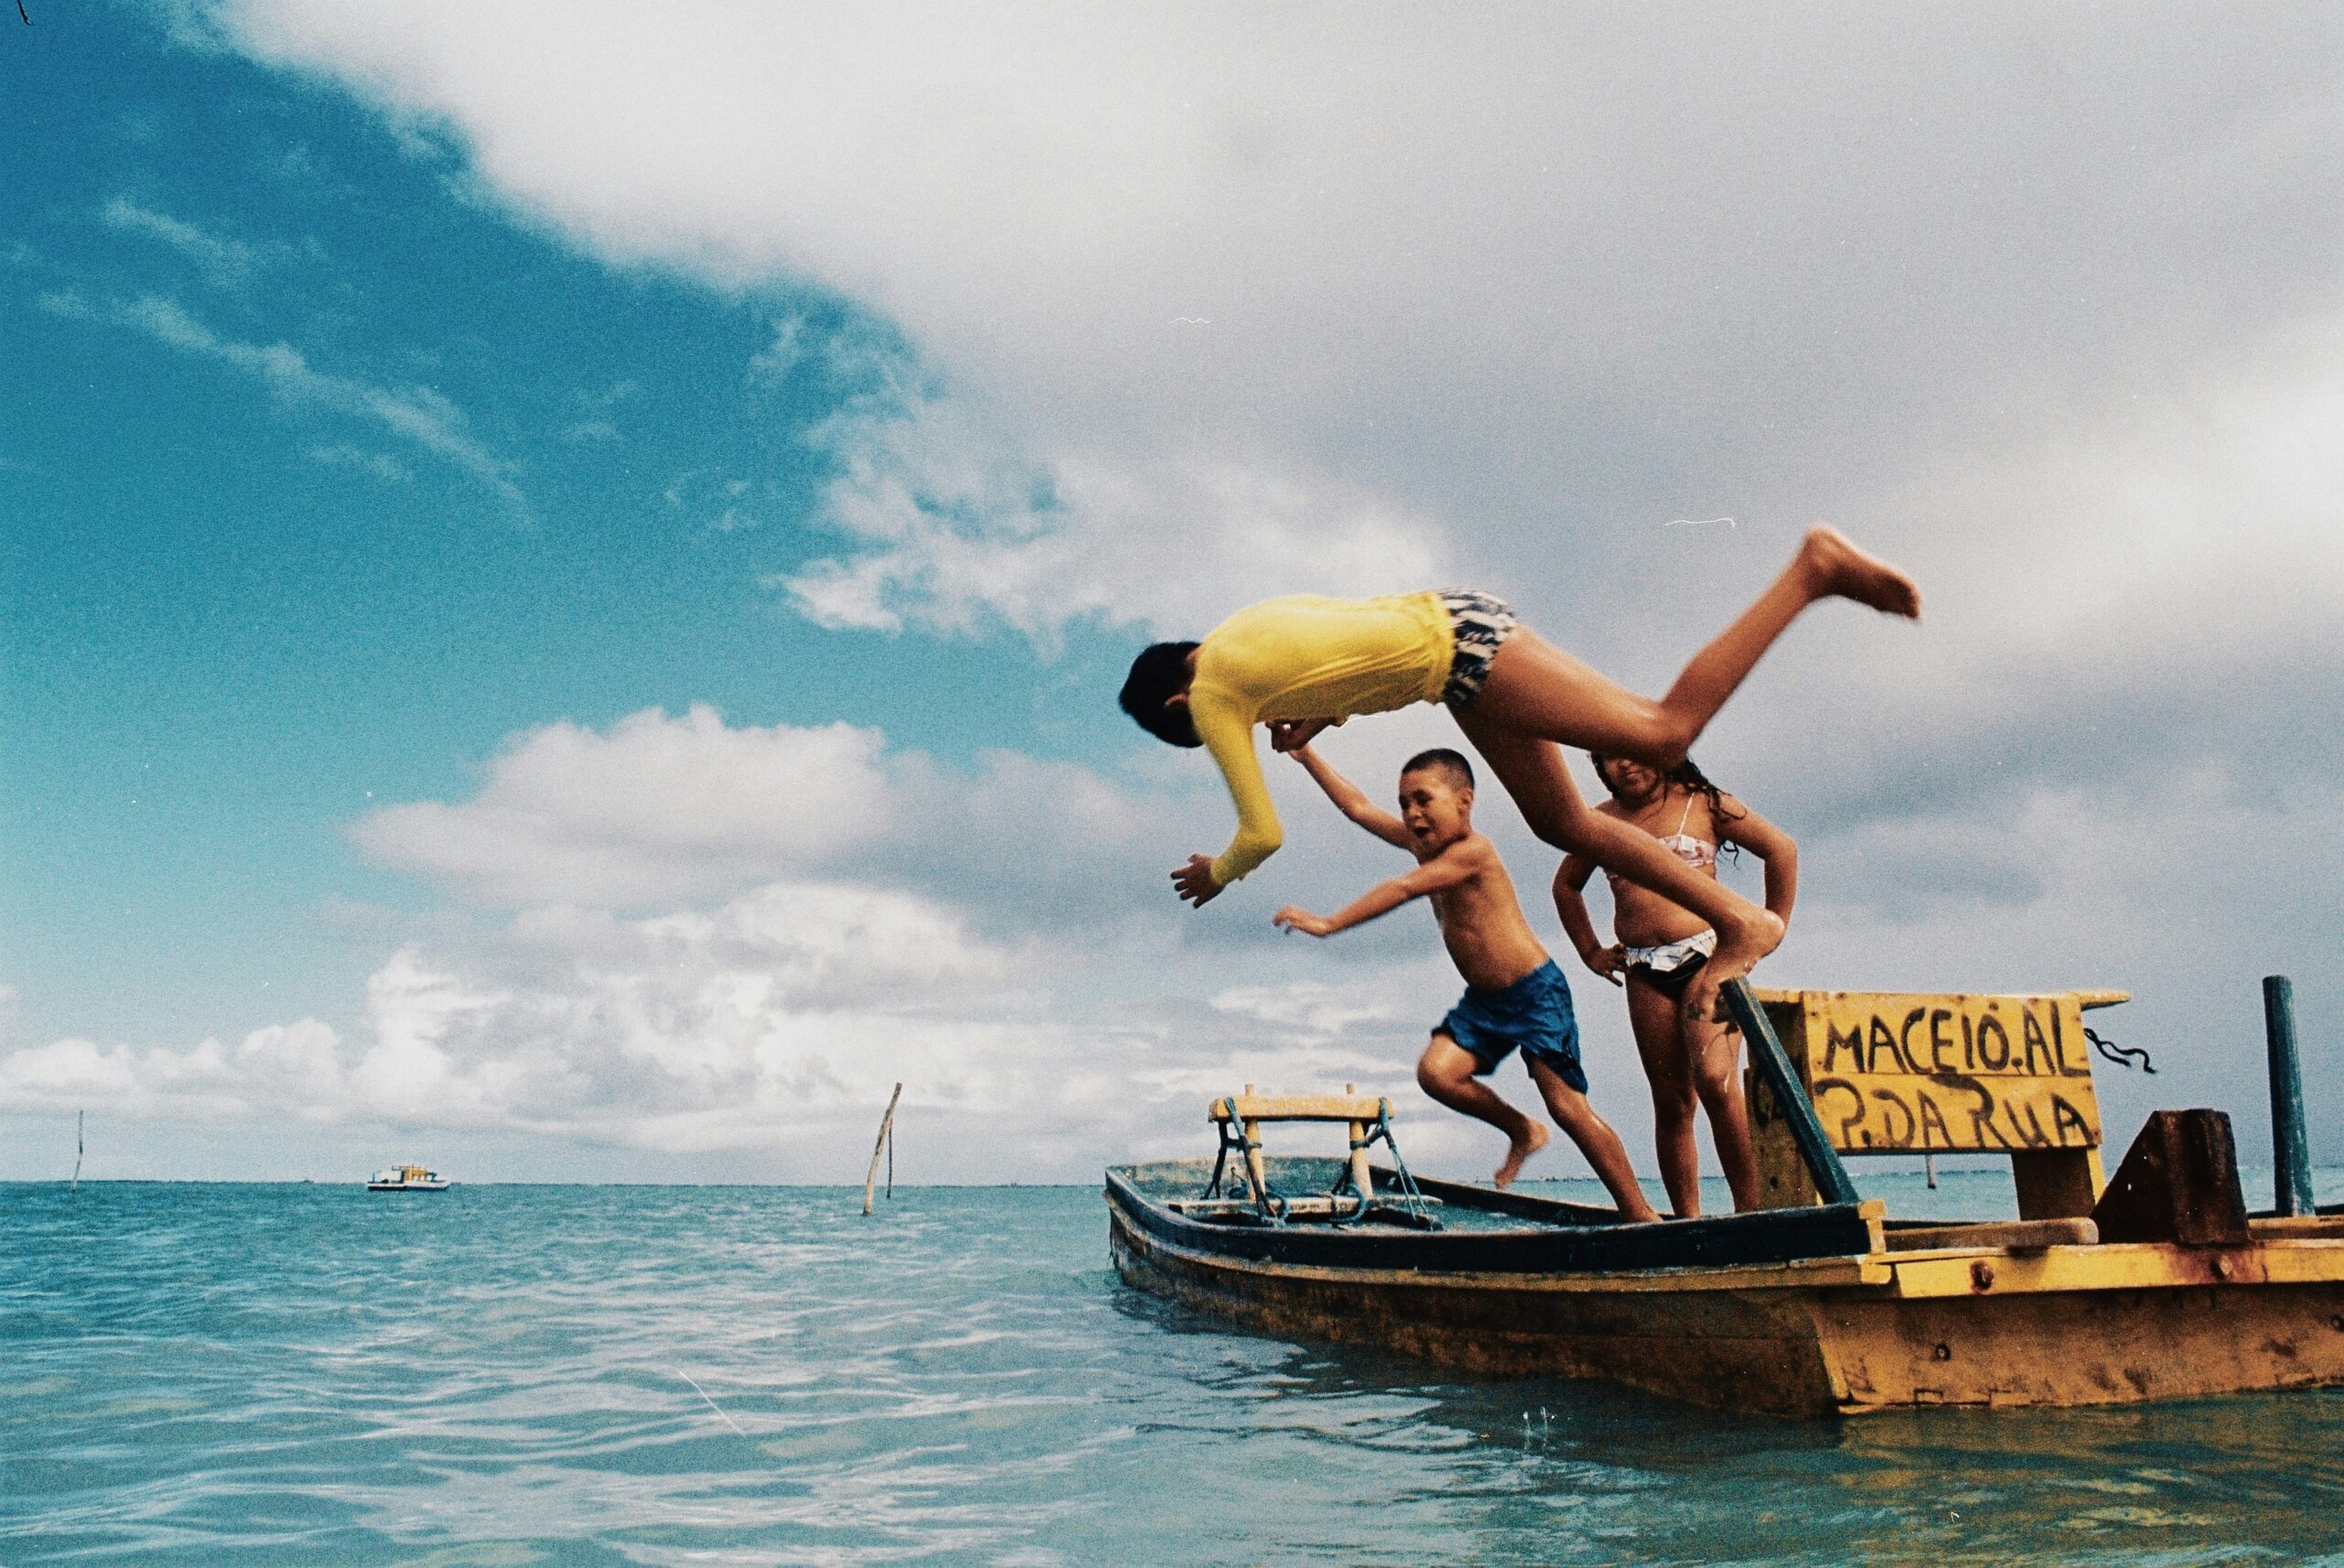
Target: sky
point(566, 567)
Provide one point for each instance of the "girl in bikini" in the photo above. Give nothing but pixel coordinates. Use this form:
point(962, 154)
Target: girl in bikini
point(1662, 947)
point(1302, 663)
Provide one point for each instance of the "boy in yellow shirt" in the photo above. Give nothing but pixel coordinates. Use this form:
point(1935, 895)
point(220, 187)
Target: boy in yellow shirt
point(1302, 663)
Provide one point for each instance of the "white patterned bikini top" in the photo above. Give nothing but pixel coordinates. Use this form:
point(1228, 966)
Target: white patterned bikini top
point(1697, 853)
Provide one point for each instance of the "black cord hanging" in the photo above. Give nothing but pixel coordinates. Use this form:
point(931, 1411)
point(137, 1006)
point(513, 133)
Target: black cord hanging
point(2121, 1054)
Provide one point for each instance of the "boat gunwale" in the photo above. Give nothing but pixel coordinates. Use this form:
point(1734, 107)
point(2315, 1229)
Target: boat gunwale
point(1850, 1230)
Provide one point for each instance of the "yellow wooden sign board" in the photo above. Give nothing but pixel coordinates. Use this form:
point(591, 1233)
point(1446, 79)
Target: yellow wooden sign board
point(1899, 1073)
point(1895, 1072)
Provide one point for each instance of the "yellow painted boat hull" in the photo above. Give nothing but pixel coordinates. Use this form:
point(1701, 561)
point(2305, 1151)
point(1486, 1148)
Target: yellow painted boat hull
point(2059, 1325)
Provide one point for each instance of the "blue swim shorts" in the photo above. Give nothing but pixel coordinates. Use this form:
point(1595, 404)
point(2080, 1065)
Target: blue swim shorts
point(1534, 1013)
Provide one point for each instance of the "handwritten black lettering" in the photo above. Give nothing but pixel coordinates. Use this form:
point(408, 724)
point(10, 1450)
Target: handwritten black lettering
point(2066, 1118)
point(1880, 1040)
point(1981, 1113)
point(1998, 1056)
point(2060, 1047)
point(1848, 1123)
point(1932, 1119)
point(1892, 1134)
point(2036, 1039)
point(1833, 1040)
point(1940, 1039)
point(1905, 1040)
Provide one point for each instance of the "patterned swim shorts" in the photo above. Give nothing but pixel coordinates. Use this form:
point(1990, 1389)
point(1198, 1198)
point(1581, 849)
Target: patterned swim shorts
point(1481, 624)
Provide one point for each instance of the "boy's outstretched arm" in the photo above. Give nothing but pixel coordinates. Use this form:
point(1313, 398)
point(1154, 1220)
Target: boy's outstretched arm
point(1570, 902)
point(1446, 869)
point(1352, 800)
point(1770, 844)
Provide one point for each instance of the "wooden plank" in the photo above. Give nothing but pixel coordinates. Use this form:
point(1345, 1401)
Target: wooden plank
point(1297, 1108)
point(2023, 1236)
point(1510, 1201)
point(1791, 1105)
point(2296, 1228)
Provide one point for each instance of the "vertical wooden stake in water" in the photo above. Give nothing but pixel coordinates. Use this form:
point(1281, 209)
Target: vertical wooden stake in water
point(77, 1152)
point(1361, 1178)
point(1929, 1163)
point(887, 1130)
point(2290, 1152)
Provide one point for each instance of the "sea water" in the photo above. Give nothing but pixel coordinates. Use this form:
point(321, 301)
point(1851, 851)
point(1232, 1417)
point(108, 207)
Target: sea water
point(511, 1374)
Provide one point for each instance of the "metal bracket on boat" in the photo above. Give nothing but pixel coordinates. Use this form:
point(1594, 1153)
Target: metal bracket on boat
point(1404, 1193)
point(1236, 1136)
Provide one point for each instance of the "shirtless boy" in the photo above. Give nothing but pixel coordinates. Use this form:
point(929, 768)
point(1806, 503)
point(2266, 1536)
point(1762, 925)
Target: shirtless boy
point(1302, 663)
point(1514, 996)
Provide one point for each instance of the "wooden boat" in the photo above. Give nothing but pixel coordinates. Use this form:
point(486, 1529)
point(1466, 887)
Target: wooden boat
point(407, 1179)
point(2162, 1286)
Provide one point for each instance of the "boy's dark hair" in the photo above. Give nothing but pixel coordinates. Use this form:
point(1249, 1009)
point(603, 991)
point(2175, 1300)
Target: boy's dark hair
point(1160, 673)
point(1453, 764)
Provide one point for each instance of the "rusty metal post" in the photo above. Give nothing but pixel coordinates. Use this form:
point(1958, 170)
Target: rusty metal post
point(2290, 1150)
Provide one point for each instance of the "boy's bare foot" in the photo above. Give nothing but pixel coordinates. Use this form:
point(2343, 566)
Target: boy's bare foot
point(1741, 943)
point(1839, 568)
point(1534, 1138)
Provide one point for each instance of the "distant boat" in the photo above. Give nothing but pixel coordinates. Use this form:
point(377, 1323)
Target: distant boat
point(407, 1179)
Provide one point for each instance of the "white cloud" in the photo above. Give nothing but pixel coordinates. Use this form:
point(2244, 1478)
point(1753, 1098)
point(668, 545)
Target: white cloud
point(280, 1070)
point(657, 811)
point(954, 529)
point(773, 1014)
point(226, 263)
point(1521, 277)
point(343, 454)
point(415, 414)
point(1311, 1009)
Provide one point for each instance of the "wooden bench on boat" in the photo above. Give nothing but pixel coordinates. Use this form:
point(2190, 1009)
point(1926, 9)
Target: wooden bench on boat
point(1243, 1115)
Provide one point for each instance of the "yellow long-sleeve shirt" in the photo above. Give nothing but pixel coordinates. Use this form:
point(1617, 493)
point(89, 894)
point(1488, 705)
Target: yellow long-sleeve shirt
point(1306, 657)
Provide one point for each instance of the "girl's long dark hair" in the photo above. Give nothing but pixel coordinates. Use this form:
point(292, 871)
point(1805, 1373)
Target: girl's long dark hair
point(1686, 775)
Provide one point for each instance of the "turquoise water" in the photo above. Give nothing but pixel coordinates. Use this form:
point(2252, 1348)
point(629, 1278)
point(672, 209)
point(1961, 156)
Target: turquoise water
point(672, 1375)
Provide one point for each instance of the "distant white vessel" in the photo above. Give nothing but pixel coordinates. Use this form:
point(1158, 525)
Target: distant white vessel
point(407, 1179)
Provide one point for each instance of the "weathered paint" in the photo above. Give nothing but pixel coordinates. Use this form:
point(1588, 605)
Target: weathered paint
point(1979, 1325)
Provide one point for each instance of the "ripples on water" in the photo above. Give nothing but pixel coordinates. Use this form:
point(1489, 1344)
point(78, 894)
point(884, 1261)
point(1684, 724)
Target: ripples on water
point(583, 1375)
